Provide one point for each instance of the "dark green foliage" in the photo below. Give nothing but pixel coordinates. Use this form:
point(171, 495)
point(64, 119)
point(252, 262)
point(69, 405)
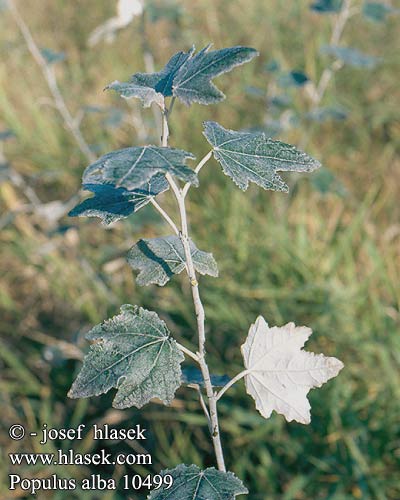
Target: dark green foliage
point(132, 352)
point(187, 76)
point(191, 483)
point(111, 203)
point(158, 259)
point(253, 157)
point(326, 6)
point(131, 167)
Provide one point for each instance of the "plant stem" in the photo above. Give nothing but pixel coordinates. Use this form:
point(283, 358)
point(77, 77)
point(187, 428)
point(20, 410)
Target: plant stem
point(199, 309)
point(201, 164)
point(317, 92)
point(188, 352)
point(231, 383)
point(51, 80)
point(165, 215)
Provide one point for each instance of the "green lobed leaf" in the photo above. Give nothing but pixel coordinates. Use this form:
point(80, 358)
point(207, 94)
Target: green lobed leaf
point(158, 259)
point(186, 76)
point(134, 353)
point(152, 87)
point(132, 167)
point(253, 157)
point(146, 94)
point(162, 81)
point(111, 203)
point(192, 483)
point(350, 56)
point(192, 82)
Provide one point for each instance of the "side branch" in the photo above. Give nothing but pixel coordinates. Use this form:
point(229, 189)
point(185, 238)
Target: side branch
point(164, 215)
point(188, 352)
point(51, 80)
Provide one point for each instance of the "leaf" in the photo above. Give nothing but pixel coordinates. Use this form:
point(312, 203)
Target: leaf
point(152, 87)
point(192, 483)
point(272, 66)
point(254, 157)
point(352, 57)
point(146, 94)
point(326, 6)
point(187, 76)
point(292, 79)
point(52, 57)
point(193, 375)
point(132, 167)
point(376, 11)
point(134, 353)
point(6, 134)
point(326, 113)
point(158, 259)
point(280, 374)
point(192, 82)
point(111, 203)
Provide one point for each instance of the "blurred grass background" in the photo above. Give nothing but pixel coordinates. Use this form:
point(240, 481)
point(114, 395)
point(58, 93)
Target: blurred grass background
point(323, 257)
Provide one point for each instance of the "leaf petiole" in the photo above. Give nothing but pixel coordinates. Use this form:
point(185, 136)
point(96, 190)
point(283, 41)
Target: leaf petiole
point(200, 165)
point(231, 383)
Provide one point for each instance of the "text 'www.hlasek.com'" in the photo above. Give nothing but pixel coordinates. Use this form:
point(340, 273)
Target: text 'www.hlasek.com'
point(58, 459)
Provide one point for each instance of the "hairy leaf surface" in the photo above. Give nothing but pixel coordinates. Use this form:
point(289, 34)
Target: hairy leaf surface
point(186, 76)
point(192, 82)
point(132, 167)
point(192, 483)
point(129, 89)
point(111, 203)
point(280, 374)
point(158, 259)
point(161, 81)
point(134, 353)
point(254, 157)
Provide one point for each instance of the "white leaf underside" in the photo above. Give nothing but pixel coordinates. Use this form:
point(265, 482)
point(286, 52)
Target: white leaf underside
point(279, 374)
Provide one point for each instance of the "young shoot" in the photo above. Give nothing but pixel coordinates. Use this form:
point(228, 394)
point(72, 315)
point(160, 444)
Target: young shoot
point(134, 352)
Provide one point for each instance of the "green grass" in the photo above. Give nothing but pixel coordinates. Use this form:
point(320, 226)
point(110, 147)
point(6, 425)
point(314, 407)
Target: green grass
point(329, 261)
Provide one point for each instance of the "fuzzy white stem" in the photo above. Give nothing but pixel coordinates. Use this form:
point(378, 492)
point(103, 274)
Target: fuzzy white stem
point(200, 165)
point(199, 309)
point(188, 352)
point(231, 383)
point(164, 215)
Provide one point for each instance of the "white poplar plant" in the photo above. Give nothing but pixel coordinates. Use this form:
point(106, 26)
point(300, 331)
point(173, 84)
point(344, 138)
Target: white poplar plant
point(134, 351)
